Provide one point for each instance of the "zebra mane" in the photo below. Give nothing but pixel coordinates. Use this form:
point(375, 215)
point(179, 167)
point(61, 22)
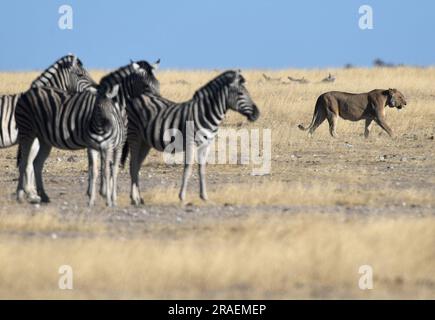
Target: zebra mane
point(64, 62)
point(117, 75)
point(223, 80)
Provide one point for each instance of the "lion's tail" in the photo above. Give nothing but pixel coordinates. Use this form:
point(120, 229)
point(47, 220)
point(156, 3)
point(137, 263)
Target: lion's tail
point(316, 111)
point(301, 126)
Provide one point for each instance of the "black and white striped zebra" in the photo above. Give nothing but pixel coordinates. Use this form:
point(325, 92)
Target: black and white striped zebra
point(96, 121)
point(67, 73)
point(150, 117)
point(129, 89)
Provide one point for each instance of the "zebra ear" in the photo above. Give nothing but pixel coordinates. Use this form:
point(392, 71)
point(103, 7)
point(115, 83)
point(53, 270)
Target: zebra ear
point(112, 94)
point(135, 66)
point(238, 78)
point(92, 90)
point(241, 79)
point(156, 64)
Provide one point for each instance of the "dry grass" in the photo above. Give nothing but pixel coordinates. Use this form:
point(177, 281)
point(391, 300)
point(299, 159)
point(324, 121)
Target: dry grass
point(260, 257)
point(264, 251)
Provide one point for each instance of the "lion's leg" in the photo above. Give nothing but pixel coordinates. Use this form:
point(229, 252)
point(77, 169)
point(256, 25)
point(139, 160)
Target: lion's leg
point(332, 120)
point(383, 124)
point(368, 127)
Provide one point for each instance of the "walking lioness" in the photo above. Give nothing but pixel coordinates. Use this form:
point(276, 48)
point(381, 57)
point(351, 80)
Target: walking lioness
point(354, 107)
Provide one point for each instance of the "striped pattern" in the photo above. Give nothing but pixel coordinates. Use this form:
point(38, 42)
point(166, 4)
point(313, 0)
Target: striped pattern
point(150, 117)
point(76, 121)
point(67, 73)
point(131, 86)
point(8, 130)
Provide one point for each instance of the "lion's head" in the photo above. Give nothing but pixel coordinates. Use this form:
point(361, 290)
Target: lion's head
point(395, 99)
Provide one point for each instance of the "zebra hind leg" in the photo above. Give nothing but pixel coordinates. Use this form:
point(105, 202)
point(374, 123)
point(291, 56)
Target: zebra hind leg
point(38, 164)
point(114, 173)
point(20, 189)
point(93, 171)
point(25, 181)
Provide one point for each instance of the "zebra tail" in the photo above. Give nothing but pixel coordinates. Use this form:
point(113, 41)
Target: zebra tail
point(124, 155)
point(18, 156)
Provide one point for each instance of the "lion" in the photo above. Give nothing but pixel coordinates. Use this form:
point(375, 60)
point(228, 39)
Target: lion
point(354, 107)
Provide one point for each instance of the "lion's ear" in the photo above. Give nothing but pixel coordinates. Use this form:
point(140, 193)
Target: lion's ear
point(386, 92)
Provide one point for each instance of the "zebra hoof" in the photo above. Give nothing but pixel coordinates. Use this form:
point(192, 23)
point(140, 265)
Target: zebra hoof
point(21, 196)
point(182, 196)
point(136, 200)
point(34, 199)
point(45, 198)
point(204, 197)
point(136, 203)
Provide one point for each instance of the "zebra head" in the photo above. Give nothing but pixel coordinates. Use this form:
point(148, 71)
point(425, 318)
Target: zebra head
point(148, 73)
point(133, 80)
point(80, 79)
point(239, 98)
point(67, 73)
point(106, 105)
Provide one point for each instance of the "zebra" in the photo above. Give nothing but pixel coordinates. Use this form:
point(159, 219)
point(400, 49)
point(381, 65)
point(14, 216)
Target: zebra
point(149, 84)
point(93, 119)
point(150, 117)
point(66, 73)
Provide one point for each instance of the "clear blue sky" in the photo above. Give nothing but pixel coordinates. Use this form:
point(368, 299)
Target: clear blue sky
point(217, 33)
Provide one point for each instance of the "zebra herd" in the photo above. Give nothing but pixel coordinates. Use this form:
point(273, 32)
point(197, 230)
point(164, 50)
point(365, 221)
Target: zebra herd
point(123, 113)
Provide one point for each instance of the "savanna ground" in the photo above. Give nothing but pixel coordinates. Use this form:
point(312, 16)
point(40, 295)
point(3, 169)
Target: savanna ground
point(327, 207)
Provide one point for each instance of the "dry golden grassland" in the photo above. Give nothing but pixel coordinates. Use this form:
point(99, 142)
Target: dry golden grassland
point(328, 207)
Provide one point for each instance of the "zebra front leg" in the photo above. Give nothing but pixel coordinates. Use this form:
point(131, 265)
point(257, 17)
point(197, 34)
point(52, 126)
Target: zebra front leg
point(138, 153)
point(93, 171)
point(107, 157)
point(103, 182)
point(202, 162)
point(38, 164)
point(114, 180)
point(90, 172)
point(188, 162)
